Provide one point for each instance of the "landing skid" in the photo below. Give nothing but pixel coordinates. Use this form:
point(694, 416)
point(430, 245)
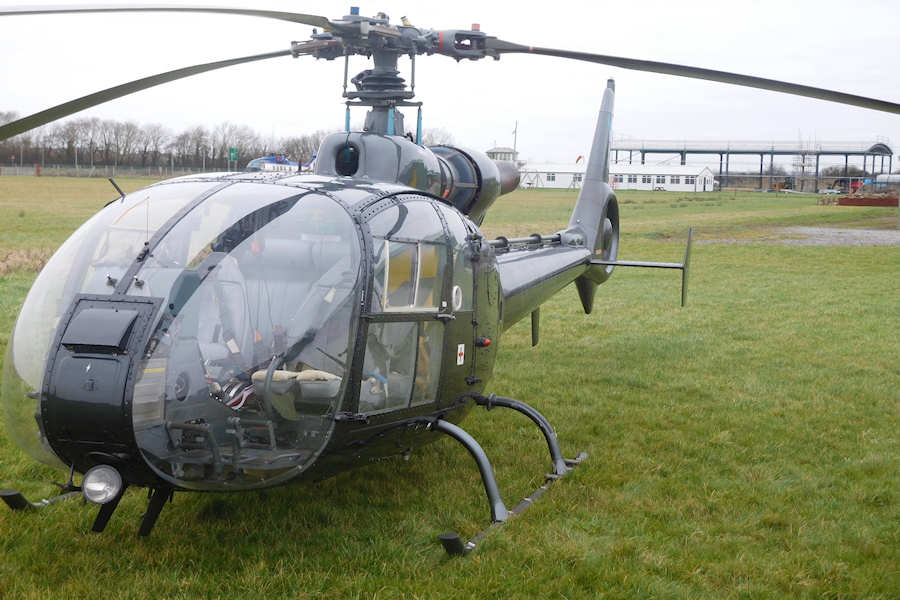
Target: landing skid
point(17, 501)
point(452, 541)
point(157, 499)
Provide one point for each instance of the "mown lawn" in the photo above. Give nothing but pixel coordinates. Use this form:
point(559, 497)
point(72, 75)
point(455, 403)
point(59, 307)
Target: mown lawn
point(745, 446)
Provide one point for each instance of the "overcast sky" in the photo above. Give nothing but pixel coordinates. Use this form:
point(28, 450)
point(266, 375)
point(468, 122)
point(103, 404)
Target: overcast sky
point(847, 46)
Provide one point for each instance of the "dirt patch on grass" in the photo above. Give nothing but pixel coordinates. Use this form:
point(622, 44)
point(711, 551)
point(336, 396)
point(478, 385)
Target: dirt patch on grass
point(24, 260)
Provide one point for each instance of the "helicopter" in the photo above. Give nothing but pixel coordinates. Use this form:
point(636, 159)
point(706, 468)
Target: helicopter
point(277, 162)
point(235, 331)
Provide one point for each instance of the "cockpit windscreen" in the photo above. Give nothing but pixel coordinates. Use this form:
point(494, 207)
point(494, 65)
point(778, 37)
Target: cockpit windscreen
point(246, 364)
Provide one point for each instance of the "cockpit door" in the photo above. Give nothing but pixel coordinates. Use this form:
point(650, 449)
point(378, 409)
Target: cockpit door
point(460, 358)
point(409, 307)
point(476, 298)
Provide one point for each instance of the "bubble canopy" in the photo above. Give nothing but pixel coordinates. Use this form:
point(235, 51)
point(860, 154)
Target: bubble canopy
point(243, 366)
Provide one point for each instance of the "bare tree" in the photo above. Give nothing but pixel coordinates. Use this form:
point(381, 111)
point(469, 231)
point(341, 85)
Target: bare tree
point(126, 143)
point(89, 132)
point(45, 142)
point(838, 171)
point(304, 146)
point(106, 133)
point(221, 136)
point(68, 134)
point(199, 141)
point(180, 147)
point(126, 136)
point(437, 136)
point(156, 137)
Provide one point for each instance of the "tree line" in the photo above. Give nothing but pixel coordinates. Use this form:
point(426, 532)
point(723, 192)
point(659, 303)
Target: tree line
point(93, 141)
point(90, 141)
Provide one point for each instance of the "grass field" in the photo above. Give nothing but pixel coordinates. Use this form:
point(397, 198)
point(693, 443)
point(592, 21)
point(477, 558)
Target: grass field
point(745, 446)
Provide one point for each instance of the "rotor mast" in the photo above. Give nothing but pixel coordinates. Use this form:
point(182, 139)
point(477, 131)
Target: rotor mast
point(381, 87)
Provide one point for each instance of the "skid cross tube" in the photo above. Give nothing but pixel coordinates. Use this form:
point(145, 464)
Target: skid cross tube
point(559, 463)
point(452, 542)
point(499, 513)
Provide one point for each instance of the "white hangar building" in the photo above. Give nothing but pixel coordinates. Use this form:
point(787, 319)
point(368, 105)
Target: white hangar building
point(623, 176)
point(672, 178)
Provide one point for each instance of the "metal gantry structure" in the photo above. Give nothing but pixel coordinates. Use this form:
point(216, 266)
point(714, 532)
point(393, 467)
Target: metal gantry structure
point(877, 151)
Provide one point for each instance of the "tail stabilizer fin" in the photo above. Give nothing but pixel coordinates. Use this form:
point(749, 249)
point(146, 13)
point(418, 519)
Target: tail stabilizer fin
point(595, 219)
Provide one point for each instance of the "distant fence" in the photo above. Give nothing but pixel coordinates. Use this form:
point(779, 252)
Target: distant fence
point(797, 183)
point(745, 181)
point(94, 171)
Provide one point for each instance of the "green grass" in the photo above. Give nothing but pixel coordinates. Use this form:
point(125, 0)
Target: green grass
point(745, 446)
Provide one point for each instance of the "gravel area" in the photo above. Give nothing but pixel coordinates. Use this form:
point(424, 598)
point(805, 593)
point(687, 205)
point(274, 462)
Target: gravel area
point(832, 236)
point(824, 236)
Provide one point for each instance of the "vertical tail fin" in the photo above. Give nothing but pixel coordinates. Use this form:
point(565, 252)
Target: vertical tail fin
point(595, 219)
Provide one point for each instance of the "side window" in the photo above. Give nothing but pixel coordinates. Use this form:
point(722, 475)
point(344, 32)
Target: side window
point(431, 275)
point(396, 274)
point(410, 258)
point(408, 277)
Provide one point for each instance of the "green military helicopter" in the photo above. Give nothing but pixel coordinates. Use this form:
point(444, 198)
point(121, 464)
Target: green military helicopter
point(235, 331)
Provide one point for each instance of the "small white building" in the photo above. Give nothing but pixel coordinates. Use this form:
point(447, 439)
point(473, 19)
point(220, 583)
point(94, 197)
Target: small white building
point(551, 175)
point(673, 178)
point(502, 153)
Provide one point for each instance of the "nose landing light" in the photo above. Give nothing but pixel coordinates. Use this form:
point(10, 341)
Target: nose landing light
point(101, 484)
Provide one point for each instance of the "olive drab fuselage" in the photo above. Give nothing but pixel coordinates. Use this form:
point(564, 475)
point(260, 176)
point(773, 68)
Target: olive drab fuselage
point(376, 302)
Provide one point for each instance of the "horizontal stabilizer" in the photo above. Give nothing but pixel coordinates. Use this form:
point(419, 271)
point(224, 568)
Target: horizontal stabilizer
point(684, 266)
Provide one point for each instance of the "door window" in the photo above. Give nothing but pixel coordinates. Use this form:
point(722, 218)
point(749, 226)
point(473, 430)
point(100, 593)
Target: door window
point(428, 362)
point(389, 366)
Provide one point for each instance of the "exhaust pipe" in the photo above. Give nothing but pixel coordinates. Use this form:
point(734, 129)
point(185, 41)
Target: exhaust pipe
point(509, 176)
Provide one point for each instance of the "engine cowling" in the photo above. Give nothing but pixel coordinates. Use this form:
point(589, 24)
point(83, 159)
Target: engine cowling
point(471, 181)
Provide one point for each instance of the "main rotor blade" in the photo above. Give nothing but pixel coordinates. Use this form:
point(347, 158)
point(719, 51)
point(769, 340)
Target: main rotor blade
point(73, 106)
point(50, 9)
point(500, 47)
